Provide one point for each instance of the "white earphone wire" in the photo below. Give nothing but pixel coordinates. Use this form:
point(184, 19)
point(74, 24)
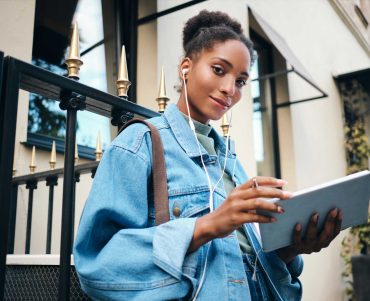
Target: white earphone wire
point(211, 189)
point(191, 124)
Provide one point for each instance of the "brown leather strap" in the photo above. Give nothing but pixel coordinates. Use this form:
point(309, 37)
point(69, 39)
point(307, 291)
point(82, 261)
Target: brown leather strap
point(158, 172)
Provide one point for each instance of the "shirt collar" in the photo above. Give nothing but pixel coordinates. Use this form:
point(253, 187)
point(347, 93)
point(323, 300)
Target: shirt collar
point(185, 136)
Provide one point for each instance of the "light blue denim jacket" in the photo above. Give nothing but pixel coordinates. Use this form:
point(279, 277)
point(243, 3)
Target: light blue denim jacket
point(120, 254)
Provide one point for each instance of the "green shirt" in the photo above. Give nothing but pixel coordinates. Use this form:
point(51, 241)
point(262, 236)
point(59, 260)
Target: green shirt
point(202, 131)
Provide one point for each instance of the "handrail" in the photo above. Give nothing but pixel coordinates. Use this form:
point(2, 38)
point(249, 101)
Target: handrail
point(43, 175)
point(36, 80)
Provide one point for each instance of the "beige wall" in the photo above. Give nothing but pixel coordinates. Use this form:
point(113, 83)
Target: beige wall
point(17, 18)
point(148, 72)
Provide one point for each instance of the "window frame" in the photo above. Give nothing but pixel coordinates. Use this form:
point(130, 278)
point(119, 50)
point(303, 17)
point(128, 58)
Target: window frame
point(45, 142)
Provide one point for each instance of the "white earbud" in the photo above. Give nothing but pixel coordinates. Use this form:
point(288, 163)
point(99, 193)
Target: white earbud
point(184, 71)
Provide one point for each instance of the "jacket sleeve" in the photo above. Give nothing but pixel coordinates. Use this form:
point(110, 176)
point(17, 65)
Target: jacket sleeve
point(119, 254)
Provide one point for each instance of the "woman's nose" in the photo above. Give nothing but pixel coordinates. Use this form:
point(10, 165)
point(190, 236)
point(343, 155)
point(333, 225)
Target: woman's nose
point(228, 86)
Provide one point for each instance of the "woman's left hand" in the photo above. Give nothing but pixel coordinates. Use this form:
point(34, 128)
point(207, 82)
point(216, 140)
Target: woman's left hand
point(314, 241)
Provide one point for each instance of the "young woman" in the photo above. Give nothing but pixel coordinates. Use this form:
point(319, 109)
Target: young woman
point(210, 249)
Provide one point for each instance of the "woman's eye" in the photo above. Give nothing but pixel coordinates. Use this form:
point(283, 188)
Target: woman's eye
point(241, 82)
point(218, 70)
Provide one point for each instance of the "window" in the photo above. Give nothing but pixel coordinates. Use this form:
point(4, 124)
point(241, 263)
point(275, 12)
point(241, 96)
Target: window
point(52, 29)
point(262, 103)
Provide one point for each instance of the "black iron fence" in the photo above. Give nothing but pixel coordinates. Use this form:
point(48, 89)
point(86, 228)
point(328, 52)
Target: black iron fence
point(32, 181)
point(73, 97)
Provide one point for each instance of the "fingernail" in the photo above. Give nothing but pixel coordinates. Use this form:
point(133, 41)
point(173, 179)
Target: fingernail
point(273, 219)
point(288, 194)
point(281, 182)
point(298, 227)
point(334, 213)
point(315, 217)
point(280, 209)
point(340, 215)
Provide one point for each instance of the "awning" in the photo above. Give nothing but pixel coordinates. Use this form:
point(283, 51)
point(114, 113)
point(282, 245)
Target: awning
point(280, 44)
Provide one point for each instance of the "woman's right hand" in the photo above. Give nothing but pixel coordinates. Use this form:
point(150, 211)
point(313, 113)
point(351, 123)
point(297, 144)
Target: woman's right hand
point(239, 208)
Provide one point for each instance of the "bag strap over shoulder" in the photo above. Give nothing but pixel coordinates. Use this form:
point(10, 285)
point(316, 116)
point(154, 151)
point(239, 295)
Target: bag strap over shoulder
point(158, 172)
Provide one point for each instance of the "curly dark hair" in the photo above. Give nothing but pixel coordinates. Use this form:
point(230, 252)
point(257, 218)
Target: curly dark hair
point(209, 27)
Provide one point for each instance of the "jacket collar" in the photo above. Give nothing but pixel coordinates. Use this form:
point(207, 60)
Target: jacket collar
point(185, 136)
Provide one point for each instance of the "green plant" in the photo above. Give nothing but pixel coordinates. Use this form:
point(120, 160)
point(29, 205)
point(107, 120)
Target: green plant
point(357, 240)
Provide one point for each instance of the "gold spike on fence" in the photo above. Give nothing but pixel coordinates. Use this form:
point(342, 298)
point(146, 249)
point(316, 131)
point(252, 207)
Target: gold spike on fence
point(53, 157)
point(98, 149)
point(33, 160)
point(225, 125)
point(73, 61)
point(76, 153)
point(162, 98)
point(123, 82)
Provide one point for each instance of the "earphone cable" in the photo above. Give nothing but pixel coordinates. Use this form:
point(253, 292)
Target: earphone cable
point(211, 189)
point(191, 123)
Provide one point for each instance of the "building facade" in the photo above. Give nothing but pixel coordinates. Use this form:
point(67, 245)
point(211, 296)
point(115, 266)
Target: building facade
point(290, 122)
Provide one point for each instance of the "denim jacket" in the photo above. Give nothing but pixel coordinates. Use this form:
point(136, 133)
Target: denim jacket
point(120, 254)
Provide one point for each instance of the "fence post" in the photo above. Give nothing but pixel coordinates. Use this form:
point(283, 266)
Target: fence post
point(72, 103)
point(9, 77)
point(31, 186)
point(51, 182)
point(13, 217)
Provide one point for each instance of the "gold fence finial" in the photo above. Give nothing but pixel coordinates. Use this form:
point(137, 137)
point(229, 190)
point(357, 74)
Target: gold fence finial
point(33, 160)
point(73, 61)
point(225, 125)
point(123, 82)
point(98, 149)
point(53, 157)
point(76, 153)
point(162, 98)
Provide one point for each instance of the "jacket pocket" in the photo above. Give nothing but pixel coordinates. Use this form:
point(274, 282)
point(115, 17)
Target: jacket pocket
point(184, 202)
point(188, 202)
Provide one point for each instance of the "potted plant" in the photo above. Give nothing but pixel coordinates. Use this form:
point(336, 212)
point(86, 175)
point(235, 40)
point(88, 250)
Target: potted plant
point(356, 245)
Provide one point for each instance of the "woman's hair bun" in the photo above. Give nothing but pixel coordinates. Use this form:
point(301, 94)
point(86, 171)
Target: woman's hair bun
point(208, 27)
point(207, 19)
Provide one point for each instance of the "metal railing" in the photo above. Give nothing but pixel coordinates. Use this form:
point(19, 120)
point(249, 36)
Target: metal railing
point(73, 97)
point(31, 181)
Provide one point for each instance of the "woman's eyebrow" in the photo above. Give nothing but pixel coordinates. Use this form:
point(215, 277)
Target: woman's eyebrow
point(230, 65)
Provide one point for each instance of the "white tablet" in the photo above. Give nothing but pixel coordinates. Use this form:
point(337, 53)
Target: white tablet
point(351, 194)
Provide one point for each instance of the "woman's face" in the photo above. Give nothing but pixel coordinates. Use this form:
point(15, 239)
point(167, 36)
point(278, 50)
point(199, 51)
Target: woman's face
point(215, 79)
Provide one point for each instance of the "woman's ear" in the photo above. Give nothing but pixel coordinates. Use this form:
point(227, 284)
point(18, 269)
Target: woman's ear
point(184, 67)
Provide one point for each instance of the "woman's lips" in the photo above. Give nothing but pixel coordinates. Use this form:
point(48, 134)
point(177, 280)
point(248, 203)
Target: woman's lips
point(222, 103)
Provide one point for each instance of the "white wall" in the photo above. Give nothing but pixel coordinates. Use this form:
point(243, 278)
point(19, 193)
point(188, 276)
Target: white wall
point(325, 46)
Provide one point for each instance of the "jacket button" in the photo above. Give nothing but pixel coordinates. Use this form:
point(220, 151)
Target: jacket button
point(176, 211)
